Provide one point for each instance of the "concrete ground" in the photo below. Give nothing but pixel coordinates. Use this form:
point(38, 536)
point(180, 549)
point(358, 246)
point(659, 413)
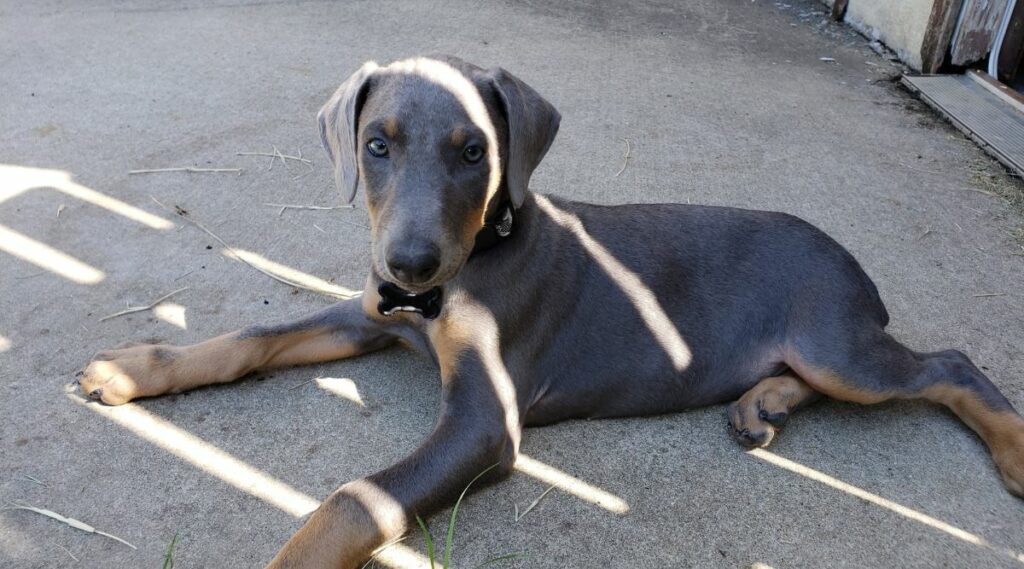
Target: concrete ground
point(723, 102)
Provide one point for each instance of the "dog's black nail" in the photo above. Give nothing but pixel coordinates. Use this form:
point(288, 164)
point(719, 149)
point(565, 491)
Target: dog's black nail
point(776, 419)
point(96, 393)
point(749, 439)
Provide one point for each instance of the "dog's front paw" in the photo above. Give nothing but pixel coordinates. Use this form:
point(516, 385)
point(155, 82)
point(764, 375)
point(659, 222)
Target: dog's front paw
point(117, 376)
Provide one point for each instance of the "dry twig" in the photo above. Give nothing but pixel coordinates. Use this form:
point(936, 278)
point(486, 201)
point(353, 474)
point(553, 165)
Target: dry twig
point(285, 206)
point(150, 306)
point(988, 294)
point(281, 156)
point(625, 159)
point(307, 382)
point(66, 550)
point(33, 479)
point(190, 170)
point(532, 505)
point(32, 276)
point(234, 253)
point(922, 170)
point(354, 224)
point(298, 158)
point(77, 524)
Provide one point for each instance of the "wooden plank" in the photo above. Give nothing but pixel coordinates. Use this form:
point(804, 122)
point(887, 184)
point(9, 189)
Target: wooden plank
point(941, 25)
point(1004, 92)
point(978, 26)
point(839, 9)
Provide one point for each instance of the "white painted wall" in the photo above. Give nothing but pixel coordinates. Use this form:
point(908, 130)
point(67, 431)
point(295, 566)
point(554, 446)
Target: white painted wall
point(899, 24)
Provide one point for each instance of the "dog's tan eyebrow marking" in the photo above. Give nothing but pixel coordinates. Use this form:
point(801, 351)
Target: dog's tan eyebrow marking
point(390, 127)
point(459, 136)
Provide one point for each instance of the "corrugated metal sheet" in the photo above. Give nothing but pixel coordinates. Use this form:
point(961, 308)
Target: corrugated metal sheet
point(996, 125)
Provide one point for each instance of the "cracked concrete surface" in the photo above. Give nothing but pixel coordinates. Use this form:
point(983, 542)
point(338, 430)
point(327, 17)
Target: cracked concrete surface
point(723, 103)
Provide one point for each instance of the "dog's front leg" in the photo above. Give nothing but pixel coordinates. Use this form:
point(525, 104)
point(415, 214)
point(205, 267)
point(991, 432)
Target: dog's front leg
point(478, 429)
point(143, 370)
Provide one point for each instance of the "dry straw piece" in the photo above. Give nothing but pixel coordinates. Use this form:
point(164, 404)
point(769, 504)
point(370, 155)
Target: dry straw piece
point(285, 206)
point(276, 155)
point(190, 170)
point(77, 524)
point(625, 160)
point(532, 505)
point(150, 306)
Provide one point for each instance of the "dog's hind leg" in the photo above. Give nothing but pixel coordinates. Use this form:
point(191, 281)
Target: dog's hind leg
point(760, 413)
point(143, 370)
point(869, 366)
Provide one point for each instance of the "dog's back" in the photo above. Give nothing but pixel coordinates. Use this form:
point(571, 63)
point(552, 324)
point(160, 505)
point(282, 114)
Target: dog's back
point(697, 302)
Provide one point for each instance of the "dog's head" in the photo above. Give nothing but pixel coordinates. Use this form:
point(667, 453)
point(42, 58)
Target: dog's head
point(434, 142)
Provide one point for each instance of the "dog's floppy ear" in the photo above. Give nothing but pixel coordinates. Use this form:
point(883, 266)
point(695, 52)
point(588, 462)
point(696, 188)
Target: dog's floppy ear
point(532, 125)
point(337, 121)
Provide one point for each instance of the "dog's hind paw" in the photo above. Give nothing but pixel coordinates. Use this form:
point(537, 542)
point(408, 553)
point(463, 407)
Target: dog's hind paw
point(753, 428)
point(755, 419)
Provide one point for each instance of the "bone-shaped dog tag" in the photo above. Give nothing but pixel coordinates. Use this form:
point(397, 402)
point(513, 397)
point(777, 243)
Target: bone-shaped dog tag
point(395, 299)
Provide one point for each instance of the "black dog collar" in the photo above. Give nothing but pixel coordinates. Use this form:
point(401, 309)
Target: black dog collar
point(495, 229)
point(428, 304)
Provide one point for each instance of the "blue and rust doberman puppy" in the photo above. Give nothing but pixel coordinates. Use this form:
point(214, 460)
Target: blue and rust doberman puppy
point(697, 305)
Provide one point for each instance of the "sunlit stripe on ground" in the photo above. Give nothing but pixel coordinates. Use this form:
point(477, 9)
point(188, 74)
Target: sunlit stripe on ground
point(114, 205)
point(570, 484)
point(171, 313)
point(15, 180)
point(288, 273)
point(207, 457)
point(232, 471)
point(9, 190)
point(400, 556)
point(877, 500)
point(46, 257)
point(342, 387)
point(5, 344)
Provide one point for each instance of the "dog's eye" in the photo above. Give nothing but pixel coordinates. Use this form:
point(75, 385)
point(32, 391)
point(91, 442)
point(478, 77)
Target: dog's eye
point(377, 147)
point(473, 154)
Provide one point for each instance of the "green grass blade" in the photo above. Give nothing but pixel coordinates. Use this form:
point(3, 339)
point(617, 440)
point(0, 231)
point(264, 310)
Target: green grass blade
point(430, 540)
point(169, 556)
point(455, 512)
point(500, 558)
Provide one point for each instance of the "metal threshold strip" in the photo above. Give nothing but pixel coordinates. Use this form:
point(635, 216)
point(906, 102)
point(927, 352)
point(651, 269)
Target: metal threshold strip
point(991, 114)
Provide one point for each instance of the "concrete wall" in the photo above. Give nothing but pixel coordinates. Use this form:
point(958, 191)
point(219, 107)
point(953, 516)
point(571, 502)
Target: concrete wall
point(899, 24)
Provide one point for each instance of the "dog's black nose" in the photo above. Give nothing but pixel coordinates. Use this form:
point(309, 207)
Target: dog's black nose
point(414, 264)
